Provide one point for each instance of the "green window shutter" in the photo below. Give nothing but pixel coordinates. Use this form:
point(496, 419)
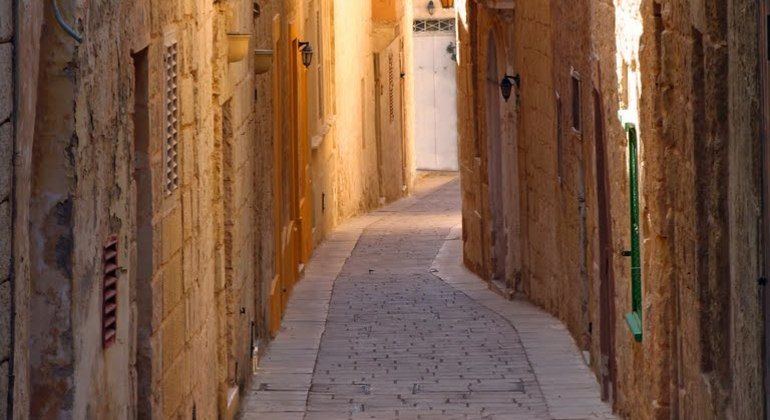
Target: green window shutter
point(634, 318)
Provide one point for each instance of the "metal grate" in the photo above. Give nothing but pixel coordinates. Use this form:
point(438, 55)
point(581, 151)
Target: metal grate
point(172, 120)
point(434, 25)
point(109, 291)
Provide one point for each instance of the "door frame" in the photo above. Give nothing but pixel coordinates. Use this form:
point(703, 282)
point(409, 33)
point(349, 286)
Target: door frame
point(606, 272)
point(142, 262)
point(293, 235)
point(402, 95)
point(303, 192)
point(494, 163)
point(389, 128)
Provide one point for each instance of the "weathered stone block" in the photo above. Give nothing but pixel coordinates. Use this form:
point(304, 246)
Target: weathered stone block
point(173, 336)
point(173, 389)
point(187, 100)
point(6, 159)
point(6, 20)
point(157, 304)
point(5, 320)
point(171, 234)
point(6, 80)
point(172, 284)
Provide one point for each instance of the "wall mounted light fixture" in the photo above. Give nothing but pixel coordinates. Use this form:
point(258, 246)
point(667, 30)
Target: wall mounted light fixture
point(263, 61)
point(506, 85)
point(448, 4)
point(431, 8)
point(307, 53)
point(237, 47)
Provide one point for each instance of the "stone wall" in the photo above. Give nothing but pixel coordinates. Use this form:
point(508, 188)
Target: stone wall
point(685, 73)
point(200, 290)
point(676, 68)
point(26, 62)
point(541, 244)
point(147, 136)
point(342, 104)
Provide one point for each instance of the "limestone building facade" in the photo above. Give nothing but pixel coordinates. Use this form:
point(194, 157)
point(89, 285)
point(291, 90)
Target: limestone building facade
point(169, 166)
point(550, 210)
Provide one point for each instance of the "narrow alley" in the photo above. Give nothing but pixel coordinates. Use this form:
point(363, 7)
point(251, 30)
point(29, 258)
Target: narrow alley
point(388, 209)
point(399, 338)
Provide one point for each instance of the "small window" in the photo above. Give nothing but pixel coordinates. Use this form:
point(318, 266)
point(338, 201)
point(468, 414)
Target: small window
point(576, 101)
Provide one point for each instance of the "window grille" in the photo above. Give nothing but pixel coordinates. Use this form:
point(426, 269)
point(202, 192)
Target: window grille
point(434, 25)
point(172, 120)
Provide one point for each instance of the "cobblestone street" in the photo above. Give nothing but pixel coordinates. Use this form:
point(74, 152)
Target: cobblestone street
point(407, 333)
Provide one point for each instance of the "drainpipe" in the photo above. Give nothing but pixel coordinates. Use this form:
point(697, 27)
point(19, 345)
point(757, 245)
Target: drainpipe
point(67, 28)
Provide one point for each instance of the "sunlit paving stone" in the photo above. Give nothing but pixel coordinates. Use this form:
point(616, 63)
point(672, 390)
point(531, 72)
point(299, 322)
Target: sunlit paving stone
point(403, 339)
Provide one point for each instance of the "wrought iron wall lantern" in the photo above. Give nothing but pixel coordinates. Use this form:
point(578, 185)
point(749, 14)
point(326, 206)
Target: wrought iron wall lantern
point(506, 85)
point(431, 8)
point(448, 4)
point(307, 53)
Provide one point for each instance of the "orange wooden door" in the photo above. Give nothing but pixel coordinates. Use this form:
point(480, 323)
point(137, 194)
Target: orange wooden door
point(303, 187)
point(276, 292)
point(292, 196)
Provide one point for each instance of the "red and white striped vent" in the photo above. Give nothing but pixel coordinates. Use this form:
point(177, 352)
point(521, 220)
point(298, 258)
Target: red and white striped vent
point(110, 291)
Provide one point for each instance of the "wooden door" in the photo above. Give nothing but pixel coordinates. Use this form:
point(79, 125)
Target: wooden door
point(499, 240)
point(390, 153)
point(402, 94)
point(764, 48)
point(277, 287)
point(304, 200)
point(435, 73)
point(606, 280)
point(291, 177)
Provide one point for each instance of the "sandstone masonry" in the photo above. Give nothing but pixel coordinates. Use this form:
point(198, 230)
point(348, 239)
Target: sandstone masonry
point(684, 73)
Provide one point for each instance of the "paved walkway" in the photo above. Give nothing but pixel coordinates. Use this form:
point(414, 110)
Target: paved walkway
point(388, 324)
